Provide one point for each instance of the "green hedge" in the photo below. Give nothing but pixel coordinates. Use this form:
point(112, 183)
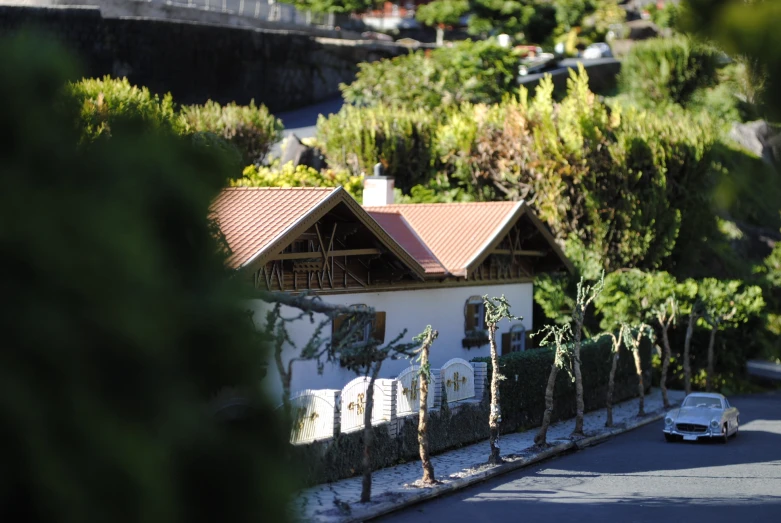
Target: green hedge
point(522, 394)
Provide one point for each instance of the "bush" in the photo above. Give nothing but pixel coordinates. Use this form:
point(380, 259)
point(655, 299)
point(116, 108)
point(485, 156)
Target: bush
point(478, 72)
point(252, 129)
point(357, 138)
point(106, 102)
point(522, 393)
point(299, 176)
point(665, 70)
point(123, 322)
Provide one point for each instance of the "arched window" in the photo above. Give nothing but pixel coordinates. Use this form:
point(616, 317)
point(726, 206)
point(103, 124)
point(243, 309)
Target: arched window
point(515, 340)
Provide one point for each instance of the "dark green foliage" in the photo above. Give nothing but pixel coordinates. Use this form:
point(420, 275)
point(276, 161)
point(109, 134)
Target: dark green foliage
point(523, 392)
point(664, 70)
point(468, 71)
point(530, 20)
point(121, 323)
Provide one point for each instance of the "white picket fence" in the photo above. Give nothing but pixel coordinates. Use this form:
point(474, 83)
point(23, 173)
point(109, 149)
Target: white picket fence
point(322, 414)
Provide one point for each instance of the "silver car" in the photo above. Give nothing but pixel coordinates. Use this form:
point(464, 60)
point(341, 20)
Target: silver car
point(702, 415)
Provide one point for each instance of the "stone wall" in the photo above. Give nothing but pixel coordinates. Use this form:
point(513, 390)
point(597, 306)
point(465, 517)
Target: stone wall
point(196, 62)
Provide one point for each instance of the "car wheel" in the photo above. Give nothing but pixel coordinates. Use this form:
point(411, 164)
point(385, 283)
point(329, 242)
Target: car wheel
point(669, 437)
point(724, 434)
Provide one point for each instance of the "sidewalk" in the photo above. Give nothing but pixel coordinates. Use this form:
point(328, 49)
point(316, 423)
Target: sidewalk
point(393, 487)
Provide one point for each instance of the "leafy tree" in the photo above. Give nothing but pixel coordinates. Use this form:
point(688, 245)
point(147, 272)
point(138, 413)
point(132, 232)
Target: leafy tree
point(366, 357)
point(691, 306)
point(530, 20)
point(496, 310)
point(442, 13)
point(334, 6)
point(585, 295)
point(665, 315)
point(124, 322)
point(633, 337)
point(299, 176)
point(726, 304)
point(557, 336)
point(426, 339)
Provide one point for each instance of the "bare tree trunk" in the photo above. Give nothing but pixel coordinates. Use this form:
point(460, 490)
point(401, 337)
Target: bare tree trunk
point(665, 366)
point(640, 386)
point(495, 416)
point(368, 436)
point(425, 459)
point(579, 405)
point(687, 369)
point(542, 435)
point(440, 36)
point(709, 375)
point(610, 386)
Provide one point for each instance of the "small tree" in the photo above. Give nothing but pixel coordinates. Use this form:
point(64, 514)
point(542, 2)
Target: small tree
point(612, 379)
point(442, 13)
point(692, 307)
point(633, 342)
point(724, 305)
point(665, 316)
point(585, 295)
point(558, 336)
point(426, 338)
point(496, 309)
point(318, 348)
point(366, 357)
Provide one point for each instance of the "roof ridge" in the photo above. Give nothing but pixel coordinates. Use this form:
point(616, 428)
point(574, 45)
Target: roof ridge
point(281, 188)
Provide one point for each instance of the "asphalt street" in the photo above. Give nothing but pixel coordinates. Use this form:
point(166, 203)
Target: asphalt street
point(636, 477)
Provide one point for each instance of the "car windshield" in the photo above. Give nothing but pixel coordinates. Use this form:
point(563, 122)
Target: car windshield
point(702, 401)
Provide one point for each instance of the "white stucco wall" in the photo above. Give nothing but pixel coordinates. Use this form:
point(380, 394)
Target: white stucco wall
point(442, 308)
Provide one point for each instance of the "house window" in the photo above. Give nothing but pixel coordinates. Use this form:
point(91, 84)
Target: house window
point(517, 338)
point(474, 315)
point(514, 340)
point(374, 329)
point(474, 323)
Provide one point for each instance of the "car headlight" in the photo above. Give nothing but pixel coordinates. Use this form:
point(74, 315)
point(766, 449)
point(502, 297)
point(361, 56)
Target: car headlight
point(668, 420)
point(715, 424)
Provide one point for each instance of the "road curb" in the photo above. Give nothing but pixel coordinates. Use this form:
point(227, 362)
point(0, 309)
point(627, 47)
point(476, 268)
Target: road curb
point(359, 514)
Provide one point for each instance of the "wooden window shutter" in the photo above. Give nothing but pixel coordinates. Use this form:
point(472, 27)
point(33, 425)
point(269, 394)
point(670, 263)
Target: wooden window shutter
point(378, 332)
point(469, 316)
point(337, 323)
point(507, 347)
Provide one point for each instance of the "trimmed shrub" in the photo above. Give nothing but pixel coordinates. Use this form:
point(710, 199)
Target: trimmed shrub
point(478, 72)
point(251, 128)
point(299, 176)
point(664, 70)
point(106, 102)
point(357, 138)
point(522, 393)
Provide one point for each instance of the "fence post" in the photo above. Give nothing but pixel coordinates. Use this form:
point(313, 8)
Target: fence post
point(386, 390)
point(481, 375)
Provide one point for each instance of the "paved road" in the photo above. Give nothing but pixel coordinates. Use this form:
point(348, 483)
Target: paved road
point(636, 477)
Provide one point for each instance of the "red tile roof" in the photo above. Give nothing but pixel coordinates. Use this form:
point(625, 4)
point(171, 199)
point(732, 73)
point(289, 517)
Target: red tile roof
point(252, 218)
point(454, 232)
point(398, 228)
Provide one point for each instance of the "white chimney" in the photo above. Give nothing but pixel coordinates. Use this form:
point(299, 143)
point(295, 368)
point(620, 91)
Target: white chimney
point(377, 190)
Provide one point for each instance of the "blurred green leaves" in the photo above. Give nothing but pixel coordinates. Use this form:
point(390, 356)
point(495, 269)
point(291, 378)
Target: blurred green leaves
point(119, 322)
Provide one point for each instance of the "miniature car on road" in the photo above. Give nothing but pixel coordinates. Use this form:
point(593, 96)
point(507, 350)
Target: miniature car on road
point(702, 415)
